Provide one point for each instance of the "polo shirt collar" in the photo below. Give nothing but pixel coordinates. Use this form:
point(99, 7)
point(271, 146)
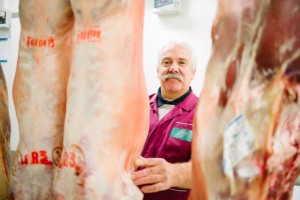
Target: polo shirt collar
point(161, 101)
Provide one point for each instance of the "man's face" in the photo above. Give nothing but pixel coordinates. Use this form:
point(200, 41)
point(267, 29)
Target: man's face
point(175, 71)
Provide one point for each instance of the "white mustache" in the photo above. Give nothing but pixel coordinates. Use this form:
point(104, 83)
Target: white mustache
point(177, 76)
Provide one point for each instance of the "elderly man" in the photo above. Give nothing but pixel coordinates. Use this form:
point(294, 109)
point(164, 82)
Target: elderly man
point(164, 170)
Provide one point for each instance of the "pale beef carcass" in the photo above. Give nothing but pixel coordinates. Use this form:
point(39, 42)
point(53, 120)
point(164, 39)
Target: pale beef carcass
point(107, 105)
point(4, 138)
point(39, 93)
point(246, 142)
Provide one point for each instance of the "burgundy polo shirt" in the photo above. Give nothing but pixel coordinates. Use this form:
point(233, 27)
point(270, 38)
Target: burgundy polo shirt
point(170, 138)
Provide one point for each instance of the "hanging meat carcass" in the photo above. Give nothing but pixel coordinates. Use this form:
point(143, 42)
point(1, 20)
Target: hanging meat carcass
point(4, 138)
point(39, 93)
point(107, 107)
point(246, 142)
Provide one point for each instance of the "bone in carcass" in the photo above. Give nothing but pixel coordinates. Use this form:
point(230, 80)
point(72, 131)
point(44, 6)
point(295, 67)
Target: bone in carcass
point(107, 105)
point(39, 93)
point(246, 142)
point(4, 138)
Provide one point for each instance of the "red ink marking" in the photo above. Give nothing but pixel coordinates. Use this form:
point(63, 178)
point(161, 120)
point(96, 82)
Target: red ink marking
point(41, 43)
point(28, 42)
point(35, 157)
point(25, 160)
point(33, 42)
point(51, 42)
point(93, 35)
point(44, 158)
point(73, 159)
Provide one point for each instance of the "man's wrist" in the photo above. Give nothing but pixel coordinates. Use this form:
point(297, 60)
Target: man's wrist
point(181, 175)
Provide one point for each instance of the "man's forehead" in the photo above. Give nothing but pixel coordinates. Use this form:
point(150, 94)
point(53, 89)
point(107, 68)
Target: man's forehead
point(179, 52)
point(177, 58)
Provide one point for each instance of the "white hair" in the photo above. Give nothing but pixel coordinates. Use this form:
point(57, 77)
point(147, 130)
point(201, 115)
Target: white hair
point(182, 44)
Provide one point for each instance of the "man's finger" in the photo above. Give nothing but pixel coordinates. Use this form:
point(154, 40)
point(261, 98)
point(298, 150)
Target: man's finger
point(144, 172)
point(152, 179)
point(152, 188)
point(139, 174)
point(147, 162)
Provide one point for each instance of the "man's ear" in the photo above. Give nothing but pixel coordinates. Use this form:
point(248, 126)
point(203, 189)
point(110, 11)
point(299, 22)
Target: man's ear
point(193, 72)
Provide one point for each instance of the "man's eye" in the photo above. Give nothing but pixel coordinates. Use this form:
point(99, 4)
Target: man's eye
point(166, 63)
point(181, 63)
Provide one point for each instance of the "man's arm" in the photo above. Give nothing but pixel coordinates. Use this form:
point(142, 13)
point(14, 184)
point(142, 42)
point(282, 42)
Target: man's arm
point(158, 174)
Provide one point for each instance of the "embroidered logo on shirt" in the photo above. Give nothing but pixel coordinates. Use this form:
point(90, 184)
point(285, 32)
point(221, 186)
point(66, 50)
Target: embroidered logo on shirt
point(182, 134)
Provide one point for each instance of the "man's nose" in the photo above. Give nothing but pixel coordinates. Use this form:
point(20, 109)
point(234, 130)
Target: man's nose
point(174, 68)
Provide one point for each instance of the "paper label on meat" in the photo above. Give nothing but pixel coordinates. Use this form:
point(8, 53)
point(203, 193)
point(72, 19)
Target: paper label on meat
point(238, 142)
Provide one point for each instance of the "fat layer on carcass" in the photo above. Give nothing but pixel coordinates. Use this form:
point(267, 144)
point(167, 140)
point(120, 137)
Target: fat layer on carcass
point(39, 93)
point(107, 105)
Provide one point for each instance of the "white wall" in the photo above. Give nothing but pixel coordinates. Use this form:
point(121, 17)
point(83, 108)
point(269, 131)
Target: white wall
point(10, 68)
point(192, 26)
point(11, 4)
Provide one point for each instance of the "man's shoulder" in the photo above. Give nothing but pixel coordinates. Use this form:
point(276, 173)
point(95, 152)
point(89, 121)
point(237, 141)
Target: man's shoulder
point(192, 98)
point(189, 103)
